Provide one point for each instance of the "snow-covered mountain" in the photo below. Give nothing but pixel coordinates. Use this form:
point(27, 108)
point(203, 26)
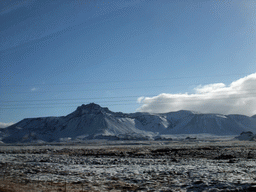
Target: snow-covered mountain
point(93, 121)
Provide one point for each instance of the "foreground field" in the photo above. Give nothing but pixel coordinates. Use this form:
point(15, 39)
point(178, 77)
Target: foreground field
point(145, 166)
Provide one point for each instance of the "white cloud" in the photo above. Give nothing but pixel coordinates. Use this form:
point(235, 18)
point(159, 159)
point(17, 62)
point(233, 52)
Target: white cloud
point(140, 99)
point(33, 89)
point(237, 98)
point(4, 125)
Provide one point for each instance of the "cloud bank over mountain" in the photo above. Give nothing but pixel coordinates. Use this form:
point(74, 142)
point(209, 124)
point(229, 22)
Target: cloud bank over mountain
point(237, 98)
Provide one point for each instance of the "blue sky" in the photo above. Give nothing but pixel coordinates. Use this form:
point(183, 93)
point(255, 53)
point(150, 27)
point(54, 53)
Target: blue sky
point(57, 55)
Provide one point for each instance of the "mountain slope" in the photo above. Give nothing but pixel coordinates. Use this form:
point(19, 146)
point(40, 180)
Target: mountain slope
point(90, 121)
point(86, 120)
point(209, 123)
point(248, 123)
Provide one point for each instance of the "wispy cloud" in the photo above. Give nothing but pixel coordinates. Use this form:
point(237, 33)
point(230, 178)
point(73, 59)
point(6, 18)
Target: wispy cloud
point(4, 125)
point(14, 5)
point(33, 89)
point(237, 98)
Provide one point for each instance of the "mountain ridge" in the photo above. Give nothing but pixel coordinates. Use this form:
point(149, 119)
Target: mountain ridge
point(93, 121)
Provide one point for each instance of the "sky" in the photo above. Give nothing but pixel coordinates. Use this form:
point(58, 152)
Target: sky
point(127, 55)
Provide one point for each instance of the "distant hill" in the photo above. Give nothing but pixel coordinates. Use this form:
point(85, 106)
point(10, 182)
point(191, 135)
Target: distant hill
point(246, 136)
point(95, 122)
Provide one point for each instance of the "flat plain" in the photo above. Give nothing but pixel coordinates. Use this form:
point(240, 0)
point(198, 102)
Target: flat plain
point(178, 165)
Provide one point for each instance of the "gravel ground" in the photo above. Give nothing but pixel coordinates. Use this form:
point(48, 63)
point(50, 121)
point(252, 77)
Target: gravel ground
point(171, 166)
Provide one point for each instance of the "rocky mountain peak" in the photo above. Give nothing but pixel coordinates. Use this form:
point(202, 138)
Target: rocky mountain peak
point(91, 108)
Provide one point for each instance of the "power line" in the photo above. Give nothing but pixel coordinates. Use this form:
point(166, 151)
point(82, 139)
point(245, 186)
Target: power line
point(26, 104)
point(127, 102)
point(100, 89)
point(122, 81)
point(105, 89)
point(252, 91)
point(84, 98)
